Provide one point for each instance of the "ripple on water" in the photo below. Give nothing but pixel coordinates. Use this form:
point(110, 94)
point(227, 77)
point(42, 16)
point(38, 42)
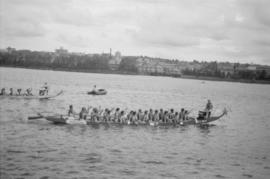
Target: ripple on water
point(91, 158)
point(247, 175)
point(115, 151)
point(220, 176)
point(153, 162)
point(127, 172)
point(15, 151)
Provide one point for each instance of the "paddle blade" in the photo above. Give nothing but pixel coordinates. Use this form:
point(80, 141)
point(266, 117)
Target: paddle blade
point(35, 117)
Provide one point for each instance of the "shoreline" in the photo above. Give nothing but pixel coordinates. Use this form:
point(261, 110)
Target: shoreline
point(204, 78)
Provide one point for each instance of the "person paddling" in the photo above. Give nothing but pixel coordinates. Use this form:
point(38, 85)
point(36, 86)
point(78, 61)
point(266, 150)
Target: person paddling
point(29, 92)
point(83, 113)
point(3, 92)
point(71, 111)
point(19, 92)
point(11, 91)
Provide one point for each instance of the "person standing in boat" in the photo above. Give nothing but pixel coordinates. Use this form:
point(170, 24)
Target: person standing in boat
point(46, 88)
point(208, 109)
point(94, 88)
point(182, 115)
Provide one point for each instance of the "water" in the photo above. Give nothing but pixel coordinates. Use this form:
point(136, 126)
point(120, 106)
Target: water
point(237, 146)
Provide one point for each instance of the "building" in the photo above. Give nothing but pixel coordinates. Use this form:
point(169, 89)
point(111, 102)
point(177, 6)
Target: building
point(228, 69)
point(10, 50)
point(61, 51)
point(153, 66)
point(115, 61)
point(266, 69)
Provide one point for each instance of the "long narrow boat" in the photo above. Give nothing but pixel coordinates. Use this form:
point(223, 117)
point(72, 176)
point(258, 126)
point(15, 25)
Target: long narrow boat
point(62, 119)
point(32, 97)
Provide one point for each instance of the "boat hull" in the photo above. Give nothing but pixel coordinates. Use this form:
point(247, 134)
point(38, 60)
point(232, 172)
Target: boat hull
point(71, 120)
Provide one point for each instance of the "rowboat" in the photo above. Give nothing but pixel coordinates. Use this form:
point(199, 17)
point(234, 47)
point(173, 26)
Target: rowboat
point(97, 92)
point(63, 119)
point(33, 96)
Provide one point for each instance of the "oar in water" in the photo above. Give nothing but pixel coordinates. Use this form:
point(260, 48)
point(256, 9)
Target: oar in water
point(35, 117)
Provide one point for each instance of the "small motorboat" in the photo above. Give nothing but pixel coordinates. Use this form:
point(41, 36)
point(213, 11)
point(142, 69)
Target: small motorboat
point(97, 92)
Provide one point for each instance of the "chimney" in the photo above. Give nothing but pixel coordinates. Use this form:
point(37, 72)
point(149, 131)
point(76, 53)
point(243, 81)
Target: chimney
point(110, 52)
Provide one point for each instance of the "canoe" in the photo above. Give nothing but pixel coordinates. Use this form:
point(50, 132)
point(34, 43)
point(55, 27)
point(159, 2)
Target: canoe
point(62, 119)
point(33, 97)
point(97, 92)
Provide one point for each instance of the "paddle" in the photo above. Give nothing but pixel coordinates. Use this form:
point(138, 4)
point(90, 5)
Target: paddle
point(35, 117)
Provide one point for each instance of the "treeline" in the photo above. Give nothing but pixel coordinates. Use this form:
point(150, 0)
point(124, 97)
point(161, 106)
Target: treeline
point(25, 58)
point(35, 59)
point(210, 69)
point(100, 62)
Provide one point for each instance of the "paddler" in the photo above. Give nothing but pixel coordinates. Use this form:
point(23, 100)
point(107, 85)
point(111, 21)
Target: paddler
point(29, 92)
point(71, 111)
point(151, 115)
point(161, 115)
point(208, 109)
point(145, 117)
point(3, 92)
point(116, 115)
point(122, 118)
point(182, 115)
point(83, 113)
point(140, 115)
point(156, 116)
point(11, 91)
point(19, 92)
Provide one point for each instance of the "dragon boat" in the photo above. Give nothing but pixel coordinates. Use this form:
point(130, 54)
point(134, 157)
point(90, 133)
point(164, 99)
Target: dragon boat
point(63, 119)
point(32, 96)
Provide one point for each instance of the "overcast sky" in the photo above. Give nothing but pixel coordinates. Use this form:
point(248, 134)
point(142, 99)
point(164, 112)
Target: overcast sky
point(221, 30)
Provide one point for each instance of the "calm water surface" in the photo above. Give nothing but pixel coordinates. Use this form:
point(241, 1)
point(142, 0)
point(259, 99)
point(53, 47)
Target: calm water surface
point(237, 146)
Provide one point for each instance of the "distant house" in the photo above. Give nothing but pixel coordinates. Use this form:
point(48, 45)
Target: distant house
point(264, 68)
point(228, 69)
point(115, 61)
point(154, 66)
point(143, 65)
point(159, 68)
point(252, 67)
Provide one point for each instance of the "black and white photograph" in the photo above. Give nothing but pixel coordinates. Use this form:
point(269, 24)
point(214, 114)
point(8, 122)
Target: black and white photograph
point(143, 89)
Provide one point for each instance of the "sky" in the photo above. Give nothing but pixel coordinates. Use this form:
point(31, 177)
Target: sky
point(205, 30)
